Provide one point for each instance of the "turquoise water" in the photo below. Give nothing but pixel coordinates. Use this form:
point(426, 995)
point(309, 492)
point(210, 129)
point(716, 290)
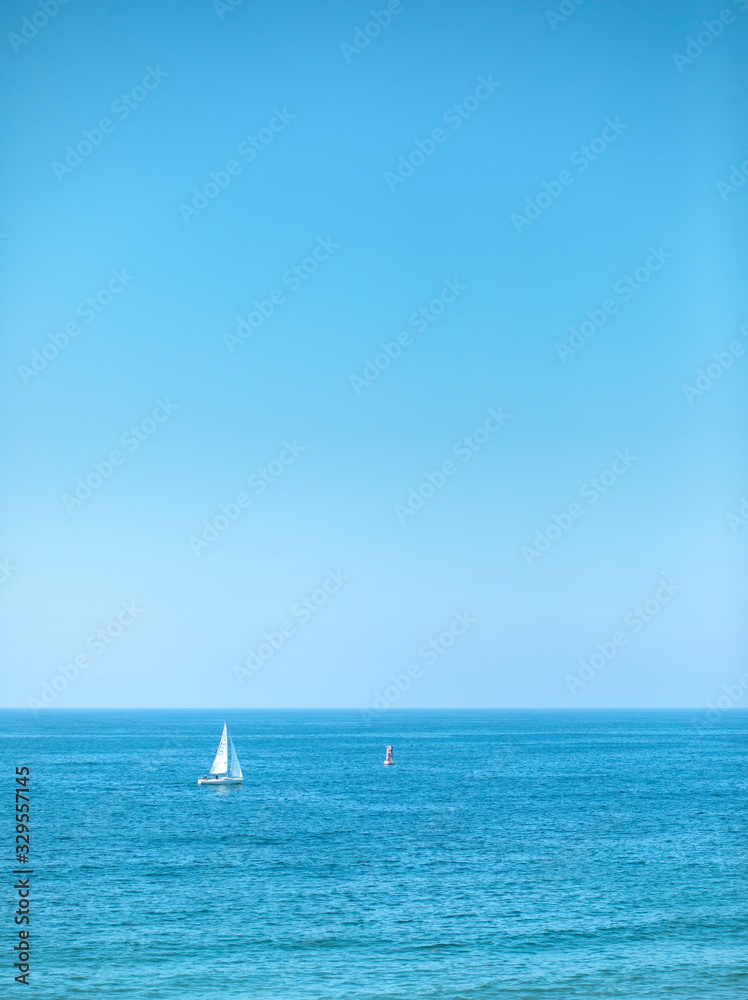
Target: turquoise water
point(520, 855)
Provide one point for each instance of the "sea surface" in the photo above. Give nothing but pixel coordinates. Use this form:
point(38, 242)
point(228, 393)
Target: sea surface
point(513, 855)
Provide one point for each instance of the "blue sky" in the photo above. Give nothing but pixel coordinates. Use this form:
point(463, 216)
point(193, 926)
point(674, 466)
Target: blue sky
point(201, 81)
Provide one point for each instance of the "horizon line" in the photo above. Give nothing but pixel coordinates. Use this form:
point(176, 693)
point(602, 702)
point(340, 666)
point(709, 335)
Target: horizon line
point(369, 711)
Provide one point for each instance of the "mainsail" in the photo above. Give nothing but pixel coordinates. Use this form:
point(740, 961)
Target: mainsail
point(220, 764)
point(236, 771)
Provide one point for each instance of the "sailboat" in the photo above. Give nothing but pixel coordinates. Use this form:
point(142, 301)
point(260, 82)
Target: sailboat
point(221, 772)
point(388, 755)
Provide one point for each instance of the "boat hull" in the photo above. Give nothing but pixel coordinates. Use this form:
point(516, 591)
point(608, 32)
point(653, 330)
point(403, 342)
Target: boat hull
point(220, 781)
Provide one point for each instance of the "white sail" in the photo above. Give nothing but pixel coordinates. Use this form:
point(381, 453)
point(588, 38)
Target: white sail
point(220, 764)
point(236, 770)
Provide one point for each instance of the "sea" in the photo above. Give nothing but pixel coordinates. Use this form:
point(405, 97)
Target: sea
point(516, 855)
